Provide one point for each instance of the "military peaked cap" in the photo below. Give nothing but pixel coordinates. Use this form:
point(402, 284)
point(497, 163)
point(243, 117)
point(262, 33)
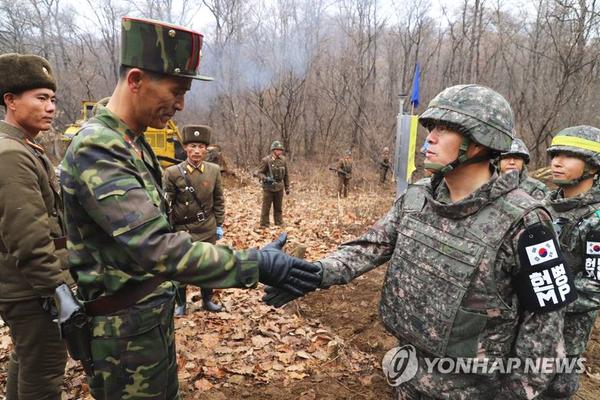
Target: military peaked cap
point(160, 47)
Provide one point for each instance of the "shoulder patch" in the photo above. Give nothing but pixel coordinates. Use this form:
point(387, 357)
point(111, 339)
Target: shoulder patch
point(592, 255)
point(545, 282)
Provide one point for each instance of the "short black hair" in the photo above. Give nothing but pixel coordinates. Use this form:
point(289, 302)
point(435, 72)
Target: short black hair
point(124, 69)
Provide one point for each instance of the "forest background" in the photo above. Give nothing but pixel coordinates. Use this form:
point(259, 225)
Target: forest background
point(325, 75)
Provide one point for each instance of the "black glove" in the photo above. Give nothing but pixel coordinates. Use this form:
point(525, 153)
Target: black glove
point(277, 269)
point(277, 297)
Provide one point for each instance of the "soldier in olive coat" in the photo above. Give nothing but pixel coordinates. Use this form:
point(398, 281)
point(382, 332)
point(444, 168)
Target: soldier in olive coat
point(273, 173)
point(384, 165)
point(344, 173)
point(195, 196)
point(32, 240)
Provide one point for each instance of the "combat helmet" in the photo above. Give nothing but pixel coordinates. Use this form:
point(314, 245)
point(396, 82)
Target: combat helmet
point(517, 148)
point(581, 141)
point(479, 113)
point(277, 145)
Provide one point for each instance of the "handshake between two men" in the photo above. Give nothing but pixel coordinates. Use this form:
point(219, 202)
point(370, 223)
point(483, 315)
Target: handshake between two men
point(287, 278)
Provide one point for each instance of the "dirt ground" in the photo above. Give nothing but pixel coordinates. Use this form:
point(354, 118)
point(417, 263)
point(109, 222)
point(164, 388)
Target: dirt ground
point(326, 346)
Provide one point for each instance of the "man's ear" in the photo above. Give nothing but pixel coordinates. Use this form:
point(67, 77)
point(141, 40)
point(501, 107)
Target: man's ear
point(9, 101)
point(475, 149)
point(134, 79)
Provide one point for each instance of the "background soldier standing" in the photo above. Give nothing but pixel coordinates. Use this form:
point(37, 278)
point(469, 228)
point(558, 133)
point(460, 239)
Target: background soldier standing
point(195, 196)
point(575, 153)
point(465, 278)
point(273, 173)
point(516, 159)
point(384, 165)
point(122, 250)
point(344, 173)
point(31, 231)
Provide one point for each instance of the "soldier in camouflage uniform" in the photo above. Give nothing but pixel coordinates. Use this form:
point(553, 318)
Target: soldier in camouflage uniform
point(384, 165)
point(196, 201)
point(273, 173)
point(32, 242)
point(344, 173)
point(122, 251)
point(466, 251)
point(574, 206)
point(516, 159)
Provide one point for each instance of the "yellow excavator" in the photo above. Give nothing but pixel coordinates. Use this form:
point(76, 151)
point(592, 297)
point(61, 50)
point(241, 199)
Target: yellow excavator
point(166, 142)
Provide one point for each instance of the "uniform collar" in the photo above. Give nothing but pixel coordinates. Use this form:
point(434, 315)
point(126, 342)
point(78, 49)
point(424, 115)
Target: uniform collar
point(114, 122)
point(557, 201)
point(12, 131)
point(439, 196)
point(16, 133)
point(191, 167)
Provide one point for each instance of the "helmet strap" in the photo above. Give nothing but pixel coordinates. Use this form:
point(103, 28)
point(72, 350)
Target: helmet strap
point(462, 159)
point(587, 174)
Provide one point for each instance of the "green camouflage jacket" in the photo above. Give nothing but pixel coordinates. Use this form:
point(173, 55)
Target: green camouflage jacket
point(449, 289)
point(578, 221)
point(117, 226)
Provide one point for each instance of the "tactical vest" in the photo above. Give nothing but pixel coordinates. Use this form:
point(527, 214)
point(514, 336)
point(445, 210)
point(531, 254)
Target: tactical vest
point(573, 226)
point(439, 265)
point(569, 233)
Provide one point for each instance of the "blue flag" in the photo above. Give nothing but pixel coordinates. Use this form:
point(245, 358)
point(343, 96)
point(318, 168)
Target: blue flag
point(414, 97)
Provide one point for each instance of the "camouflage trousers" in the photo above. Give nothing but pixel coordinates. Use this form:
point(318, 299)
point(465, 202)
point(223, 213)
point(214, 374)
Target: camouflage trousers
point(275, 198)
point(407, 392)
point(134, 354)
point(37, 363)
point(343, 184)
point(562, 387)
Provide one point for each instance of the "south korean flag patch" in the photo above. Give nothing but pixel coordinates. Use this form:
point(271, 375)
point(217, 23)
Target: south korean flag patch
point(545, 282)
point(592, 255)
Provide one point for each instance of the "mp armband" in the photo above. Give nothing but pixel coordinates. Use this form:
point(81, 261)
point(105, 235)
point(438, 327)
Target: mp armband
point(592, 256)
point(545, 281)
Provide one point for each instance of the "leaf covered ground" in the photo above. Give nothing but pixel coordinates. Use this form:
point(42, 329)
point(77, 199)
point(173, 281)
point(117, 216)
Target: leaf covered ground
point(325, 346)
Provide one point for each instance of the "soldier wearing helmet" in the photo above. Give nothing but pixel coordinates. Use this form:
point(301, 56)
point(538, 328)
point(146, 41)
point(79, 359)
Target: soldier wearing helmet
point(122, 249)
point(384, 164)
point(273, 173)
point(344, 173)
point(462, 249)
point(575, 161)
point(516, 159)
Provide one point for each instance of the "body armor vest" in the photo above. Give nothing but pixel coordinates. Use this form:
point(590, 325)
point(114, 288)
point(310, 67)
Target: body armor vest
point(440, 292)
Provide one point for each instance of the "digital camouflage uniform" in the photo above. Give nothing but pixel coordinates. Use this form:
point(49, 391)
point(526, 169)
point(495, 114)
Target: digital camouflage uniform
point(384, 165)
point(273, 173)
point(461, 279)
point(201, 211)
point(119, 235)
point(344, 173)
point(578, 221)
point(32, 244)
point(535, 188)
